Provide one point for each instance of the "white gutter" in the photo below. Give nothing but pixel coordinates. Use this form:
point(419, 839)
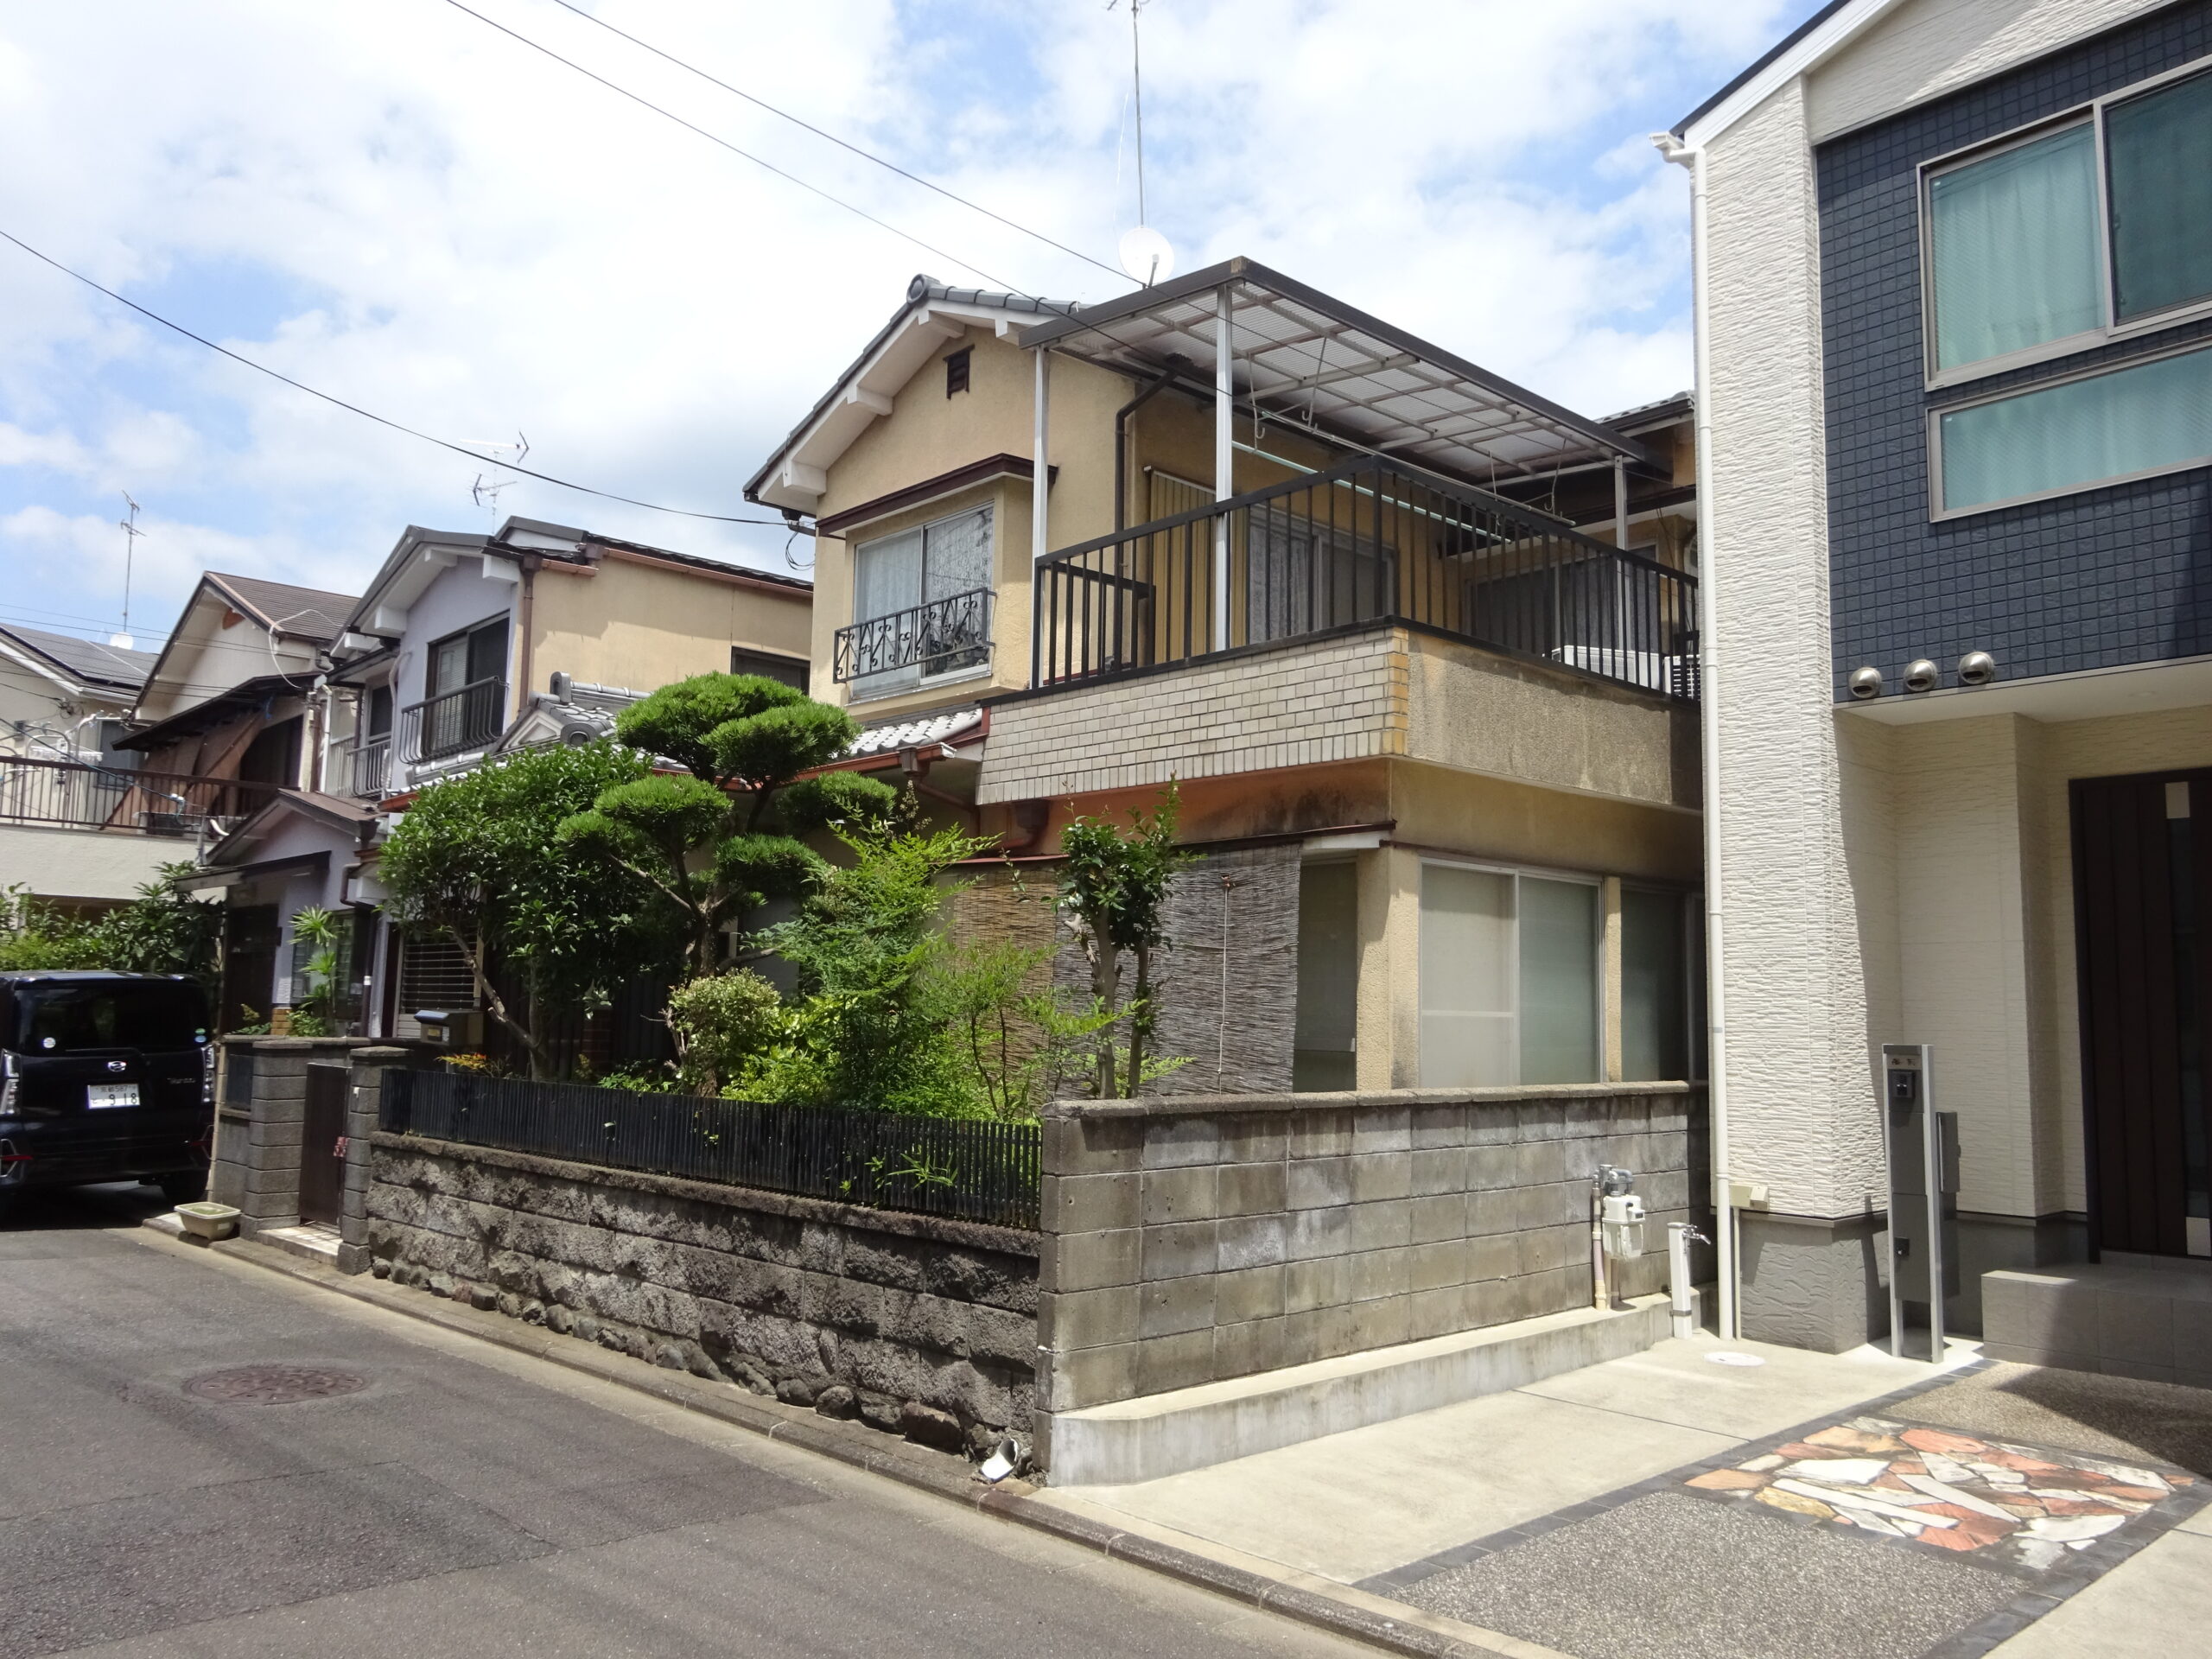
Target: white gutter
point(1709, 719)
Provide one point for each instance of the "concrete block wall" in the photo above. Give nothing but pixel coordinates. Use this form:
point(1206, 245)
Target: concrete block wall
point(1301, 704)
point(1192, 1241)
point(910, 1314)
point(260, 1122)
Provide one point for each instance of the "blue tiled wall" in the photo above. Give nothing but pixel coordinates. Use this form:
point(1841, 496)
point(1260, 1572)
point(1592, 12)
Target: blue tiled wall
point(2110, 576)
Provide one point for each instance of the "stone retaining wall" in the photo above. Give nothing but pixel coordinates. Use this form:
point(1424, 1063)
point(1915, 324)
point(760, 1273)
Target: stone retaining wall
point(1192, 1241)
point(919, 1325)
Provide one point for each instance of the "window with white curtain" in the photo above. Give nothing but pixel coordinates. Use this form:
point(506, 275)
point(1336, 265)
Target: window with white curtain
point(1507, 978)
point(934, 581)
point(2029, 251)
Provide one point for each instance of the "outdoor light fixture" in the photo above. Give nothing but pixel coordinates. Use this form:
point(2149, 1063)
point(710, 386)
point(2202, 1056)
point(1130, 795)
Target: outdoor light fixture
point(1920, 675)
point(1865, 683)
point(1977, 668)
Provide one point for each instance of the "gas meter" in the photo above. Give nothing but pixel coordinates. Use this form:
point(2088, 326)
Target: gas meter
point(1621, 1214)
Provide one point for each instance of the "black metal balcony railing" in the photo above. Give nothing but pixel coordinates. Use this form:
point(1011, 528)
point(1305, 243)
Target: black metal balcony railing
point(1368, 541)
point(453, 721)
point(942, 637)
point(76, 795)
point(369, 765)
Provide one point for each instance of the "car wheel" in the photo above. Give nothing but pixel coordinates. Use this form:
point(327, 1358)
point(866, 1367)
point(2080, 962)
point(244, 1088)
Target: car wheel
point(188, 1188)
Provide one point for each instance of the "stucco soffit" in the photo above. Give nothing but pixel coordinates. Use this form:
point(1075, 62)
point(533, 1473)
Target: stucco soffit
point(1820, 38)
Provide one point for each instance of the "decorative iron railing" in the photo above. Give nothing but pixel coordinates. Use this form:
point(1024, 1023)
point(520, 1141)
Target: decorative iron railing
point(943, 637)
point(1368, 541)
point(77, 795)
point(454, 722)
point(959, 1167)
point(369, 767)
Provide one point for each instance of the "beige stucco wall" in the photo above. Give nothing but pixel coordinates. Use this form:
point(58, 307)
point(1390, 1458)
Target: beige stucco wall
point(65, 864)
point(643, 625)
point(927, 435)
point(206, 659)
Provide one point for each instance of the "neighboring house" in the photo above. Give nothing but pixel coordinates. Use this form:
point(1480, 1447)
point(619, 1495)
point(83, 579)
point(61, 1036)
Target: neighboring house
point(64, 704)
point(1955, 324)
point(1436, 744)
point(465, 645)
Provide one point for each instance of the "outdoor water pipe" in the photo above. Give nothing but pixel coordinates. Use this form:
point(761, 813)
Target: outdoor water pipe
point(1153, 389)
point(1716, 959)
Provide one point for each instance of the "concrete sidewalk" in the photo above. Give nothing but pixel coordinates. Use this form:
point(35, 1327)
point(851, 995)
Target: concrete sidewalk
point(1607, 1513)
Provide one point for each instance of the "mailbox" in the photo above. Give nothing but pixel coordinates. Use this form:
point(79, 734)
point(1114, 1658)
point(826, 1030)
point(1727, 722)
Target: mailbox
point(1923, 1155)
point(457, 1028)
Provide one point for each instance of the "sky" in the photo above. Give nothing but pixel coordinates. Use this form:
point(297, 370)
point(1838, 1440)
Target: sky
point(400, 205)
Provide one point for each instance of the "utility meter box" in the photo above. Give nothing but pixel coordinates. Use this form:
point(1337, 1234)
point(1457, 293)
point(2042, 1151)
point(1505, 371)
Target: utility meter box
point(1923, 1155)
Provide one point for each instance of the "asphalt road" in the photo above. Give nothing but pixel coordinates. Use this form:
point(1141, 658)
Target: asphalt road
point(461, 1499)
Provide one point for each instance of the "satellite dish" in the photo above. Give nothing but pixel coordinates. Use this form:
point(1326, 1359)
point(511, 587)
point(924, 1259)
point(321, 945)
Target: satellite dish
point(1147, 257)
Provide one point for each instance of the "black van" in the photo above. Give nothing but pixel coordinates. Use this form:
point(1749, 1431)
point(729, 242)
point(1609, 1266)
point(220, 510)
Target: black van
point(104, 1077)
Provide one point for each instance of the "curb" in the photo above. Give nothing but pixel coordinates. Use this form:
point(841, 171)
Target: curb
point(1412, 1632)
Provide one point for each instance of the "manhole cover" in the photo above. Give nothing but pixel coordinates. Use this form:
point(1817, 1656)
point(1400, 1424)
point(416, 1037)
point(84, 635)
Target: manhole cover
point(274, 1385)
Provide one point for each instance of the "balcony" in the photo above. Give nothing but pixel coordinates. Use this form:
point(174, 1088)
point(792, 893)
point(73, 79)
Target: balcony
point(1370, 542)
point(74, 795)
point(454, 722)
point(369, 767)
point(945, 636)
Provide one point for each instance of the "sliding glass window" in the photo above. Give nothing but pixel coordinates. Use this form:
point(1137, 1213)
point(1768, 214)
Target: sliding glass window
point(2159, 177)
point(1508, 978)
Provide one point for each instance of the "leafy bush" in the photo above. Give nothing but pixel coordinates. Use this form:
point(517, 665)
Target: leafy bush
point(165, 930)
point(724, 1025)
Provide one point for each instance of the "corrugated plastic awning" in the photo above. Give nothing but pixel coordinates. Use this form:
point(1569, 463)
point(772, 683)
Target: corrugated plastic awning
point(1309, 360)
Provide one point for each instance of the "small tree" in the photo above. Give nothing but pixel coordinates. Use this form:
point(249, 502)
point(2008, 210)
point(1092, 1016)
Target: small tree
point(165, 930)
point(722, 842)
point(316, 929)
point(480, 860)
point(1112, 887)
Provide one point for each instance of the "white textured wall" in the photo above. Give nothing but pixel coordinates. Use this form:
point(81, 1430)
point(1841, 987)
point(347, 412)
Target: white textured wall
point(1801, 1096)
point(84, 863)
point(1931, 47)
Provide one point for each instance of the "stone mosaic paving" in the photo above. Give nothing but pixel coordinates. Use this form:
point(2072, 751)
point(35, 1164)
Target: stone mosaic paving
point(2015, 1506)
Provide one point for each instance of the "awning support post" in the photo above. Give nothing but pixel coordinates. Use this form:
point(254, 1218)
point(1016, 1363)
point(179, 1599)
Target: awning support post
point(1040, 479)
point(1225, 455)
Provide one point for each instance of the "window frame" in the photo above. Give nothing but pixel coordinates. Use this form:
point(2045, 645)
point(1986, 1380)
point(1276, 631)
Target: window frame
point(1602, 1028)
point(2108, 330)
point(803, 666)
point(988, 504)
point(504, 619)
point(1938, 512)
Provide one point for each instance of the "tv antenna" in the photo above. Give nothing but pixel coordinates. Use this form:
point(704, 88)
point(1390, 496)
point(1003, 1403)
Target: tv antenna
point(128, 526)
point(1145, 252)
point(520, 445)
point(485, 492)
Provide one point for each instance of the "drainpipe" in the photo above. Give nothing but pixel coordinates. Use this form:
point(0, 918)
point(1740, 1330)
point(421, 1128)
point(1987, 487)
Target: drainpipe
point(1165, 379)
point(525, 627)
point(1716, 960)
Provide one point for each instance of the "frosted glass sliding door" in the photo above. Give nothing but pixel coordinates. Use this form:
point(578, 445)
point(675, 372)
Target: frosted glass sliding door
point(1469, 978)
point(1559, 981)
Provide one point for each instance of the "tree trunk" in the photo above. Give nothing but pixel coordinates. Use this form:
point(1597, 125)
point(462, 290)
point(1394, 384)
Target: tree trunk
point(1106, 986)
point(489, 995)
point(1139, 1019)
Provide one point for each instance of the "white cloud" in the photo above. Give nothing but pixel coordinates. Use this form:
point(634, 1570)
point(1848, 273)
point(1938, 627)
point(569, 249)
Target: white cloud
point(397, 204)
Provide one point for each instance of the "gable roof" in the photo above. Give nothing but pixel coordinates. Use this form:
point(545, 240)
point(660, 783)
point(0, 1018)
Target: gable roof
point(288, 612)
point(86, 662)
point(793, 477)
point(1828, 30)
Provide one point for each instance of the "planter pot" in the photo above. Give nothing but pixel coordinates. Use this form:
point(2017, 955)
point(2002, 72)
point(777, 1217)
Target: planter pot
point(209, 1221)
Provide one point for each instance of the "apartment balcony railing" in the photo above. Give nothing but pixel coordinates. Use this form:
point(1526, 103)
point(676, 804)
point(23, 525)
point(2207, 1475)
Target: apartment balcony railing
point(76, 795)
point(453, 721)
point(369, 767)
point(942, 637)
point(1366, 541)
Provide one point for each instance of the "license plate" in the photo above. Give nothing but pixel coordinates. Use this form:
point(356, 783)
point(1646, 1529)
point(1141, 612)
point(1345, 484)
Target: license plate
point(98, 1094)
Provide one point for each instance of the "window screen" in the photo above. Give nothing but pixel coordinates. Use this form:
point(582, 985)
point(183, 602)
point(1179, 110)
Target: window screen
point(2013, 245)
point(1654, 1013)
point(784, 671)
point(2135, 420)
point(2159, 160)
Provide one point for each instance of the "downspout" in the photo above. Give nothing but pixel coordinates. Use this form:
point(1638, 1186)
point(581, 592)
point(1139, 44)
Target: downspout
point(526, 621)
point(1716, 961)
point(1165, 379)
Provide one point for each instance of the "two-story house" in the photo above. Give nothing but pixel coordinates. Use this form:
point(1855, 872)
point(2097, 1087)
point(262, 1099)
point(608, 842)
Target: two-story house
point(1415, 644)
point(1955, 302)
point(64, 703)
point(464, 645)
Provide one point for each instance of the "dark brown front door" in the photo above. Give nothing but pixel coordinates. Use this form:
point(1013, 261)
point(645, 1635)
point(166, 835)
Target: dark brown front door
point(322, 1157)
point(2142, 875)
point(250, 936)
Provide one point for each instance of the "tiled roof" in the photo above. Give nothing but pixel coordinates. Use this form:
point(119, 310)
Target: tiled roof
point(309, 613)
point(948, 727)
point(87, 659)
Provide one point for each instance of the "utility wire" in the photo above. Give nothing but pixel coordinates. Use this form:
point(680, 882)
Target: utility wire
point(369, 414)
point(842, 143)
point(714, 138)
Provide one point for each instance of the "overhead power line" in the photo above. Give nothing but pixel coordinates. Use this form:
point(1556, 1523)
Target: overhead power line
point(369, 415)
point(716, 138)
point(842, 143)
